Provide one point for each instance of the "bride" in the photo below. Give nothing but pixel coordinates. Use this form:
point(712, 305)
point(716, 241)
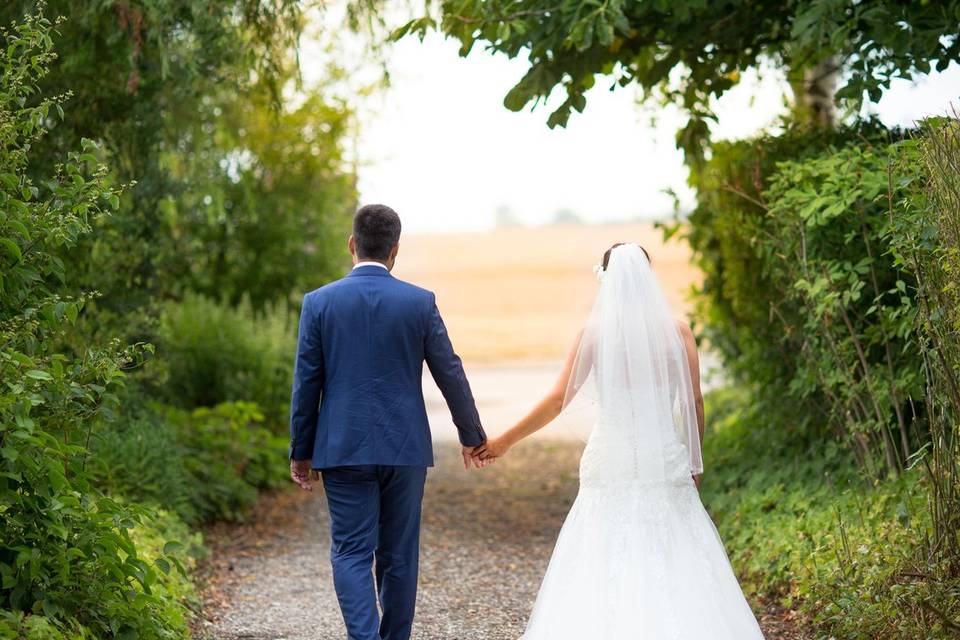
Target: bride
point(638, 556)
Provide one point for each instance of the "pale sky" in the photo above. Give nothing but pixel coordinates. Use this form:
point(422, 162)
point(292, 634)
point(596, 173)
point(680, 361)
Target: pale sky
point(439, 146)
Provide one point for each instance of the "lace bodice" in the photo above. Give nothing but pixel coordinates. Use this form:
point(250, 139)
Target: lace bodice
point(613, 458)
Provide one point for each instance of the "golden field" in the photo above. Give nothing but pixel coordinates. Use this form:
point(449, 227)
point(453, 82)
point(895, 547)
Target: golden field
point(522, 294)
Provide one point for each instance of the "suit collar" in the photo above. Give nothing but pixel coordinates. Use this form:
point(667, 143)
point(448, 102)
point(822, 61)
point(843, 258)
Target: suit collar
point(369, 270)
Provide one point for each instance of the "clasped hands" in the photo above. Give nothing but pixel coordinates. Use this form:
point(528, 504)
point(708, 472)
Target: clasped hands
point(480, 456)
point(485, 454)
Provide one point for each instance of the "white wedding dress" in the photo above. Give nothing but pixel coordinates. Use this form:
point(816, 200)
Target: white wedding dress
point(638, 557)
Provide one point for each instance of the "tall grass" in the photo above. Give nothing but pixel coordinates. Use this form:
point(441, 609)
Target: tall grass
point(930, 247)
point(215, 353)
point(938, 278)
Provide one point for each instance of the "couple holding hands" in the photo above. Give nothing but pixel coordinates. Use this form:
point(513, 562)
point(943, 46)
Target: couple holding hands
point(637, 557)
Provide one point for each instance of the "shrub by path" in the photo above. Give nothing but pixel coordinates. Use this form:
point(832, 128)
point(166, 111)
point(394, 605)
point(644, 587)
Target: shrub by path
point(487, 537)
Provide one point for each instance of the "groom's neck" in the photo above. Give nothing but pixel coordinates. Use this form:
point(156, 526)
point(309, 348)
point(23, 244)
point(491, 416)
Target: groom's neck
point(387, 263)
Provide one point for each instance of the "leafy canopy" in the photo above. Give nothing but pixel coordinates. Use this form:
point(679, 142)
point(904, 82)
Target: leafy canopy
point(239, 191)
point(691, 51)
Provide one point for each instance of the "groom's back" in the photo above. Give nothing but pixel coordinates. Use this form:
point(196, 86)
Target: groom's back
point(368, 320)
point(372, 330)
point(357, 413)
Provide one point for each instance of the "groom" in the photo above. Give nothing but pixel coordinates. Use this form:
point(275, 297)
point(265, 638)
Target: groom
point(357, 415)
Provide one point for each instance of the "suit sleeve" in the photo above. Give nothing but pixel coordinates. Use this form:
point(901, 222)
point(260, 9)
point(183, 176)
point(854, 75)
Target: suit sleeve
point(308, 378)
point(447, 371)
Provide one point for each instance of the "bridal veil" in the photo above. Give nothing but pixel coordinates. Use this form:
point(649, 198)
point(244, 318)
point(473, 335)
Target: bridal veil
point(631, 370)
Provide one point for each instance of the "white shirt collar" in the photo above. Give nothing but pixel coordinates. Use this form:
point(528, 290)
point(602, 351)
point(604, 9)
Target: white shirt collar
point(370, 263)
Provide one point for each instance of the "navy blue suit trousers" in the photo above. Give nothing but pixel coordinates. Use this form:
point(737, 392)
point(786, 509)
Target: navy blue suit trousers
point(375, 519)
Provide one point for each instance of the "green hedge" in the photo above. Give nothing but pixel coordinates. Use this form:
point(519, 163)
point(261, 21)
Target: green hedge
point(98, 487)
point(70, 565)
point(804, 527)
point(205, 464)
point(813, 260)
point(830, 265)
point(213, 353)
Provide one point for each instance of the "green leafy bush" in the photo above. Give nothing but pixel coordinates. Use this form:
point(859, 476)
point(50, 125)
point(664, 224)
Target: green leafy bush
point(829, 219)
point(734, 301)
point(230, 455)
point(802, 525)
point(171, 587)
point(204, 464)
point(141, 458)
point(214, 353)
point(68, 563)
point(167, 541)
point(831, 290)
point(801, 295)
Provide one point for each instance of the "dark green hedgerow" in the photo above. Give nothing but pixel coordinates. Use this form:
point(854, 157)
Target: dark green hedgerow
point(71, 565)
point(831, 291)
point(804, 527)
point(205, 464)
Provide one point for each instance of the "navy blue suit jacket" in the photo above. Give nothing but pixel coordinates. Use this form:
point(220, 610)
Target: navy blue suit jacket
point(357, 394)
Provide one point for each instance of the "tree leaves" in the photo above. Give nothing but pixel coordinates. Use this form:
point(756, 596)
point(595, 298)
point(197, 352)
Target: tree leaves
point(64, 558)
point(11, 248)
point(804, 289)
point(875, 42)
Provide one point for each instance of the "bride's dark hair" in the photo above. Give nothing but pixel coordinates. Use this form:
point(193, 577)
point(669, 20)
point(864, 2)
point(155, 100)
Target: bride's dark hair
point(606, 254)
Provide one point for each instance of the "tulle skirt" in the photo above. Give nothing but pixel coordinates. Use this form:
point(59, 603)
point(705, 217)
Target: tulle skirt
point(640, 561)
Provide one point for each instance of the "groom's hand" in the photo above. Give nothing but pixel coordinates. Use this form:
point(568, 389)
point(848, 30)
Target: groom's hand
point(300, 473)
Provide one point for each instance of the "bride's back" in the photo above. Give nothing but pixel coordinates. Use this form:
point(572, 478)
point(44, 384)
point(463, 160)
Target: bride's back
point(633, 364)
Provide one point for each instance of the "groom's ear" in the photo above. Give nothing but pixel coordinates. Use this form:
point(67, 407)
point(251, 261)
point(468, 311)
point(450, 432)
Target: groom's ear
point(352, 245)
point(392, 259)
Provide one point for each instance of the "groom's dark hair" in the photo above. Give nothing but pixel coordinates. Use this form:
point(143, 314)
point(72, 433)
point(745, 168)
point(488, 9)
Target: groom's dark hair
point(376, 231)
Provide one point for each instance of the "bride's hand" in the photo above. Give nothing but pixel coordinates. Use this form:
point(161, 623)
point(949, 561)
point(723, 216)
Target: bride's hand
point(492, 449)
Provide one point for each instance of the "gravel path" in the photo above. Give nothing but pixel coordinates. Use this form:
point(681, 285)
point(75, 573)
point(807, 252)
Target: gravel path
point(486, 540)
